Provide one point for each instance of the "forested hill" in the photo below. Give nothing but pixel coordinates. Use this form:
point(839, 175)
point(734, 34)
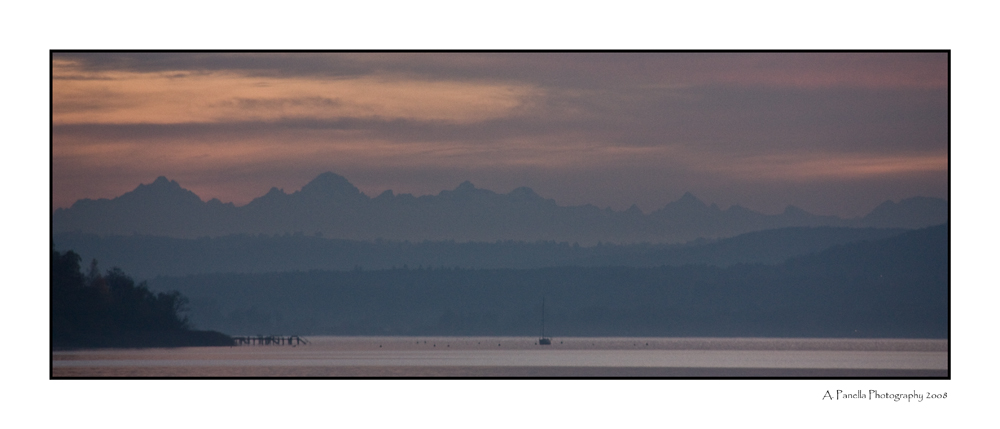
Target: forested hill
point(111, 310)
point(891, 287)
point(146, 256)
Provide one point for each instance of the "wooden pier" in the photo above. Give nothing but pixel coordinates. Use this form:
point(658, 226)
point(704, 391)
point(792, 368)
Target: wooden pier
point(270, 340)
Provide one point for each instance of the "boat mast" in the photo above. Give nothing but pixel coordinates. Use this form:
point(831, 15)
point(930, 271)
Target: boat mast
point(543, 316)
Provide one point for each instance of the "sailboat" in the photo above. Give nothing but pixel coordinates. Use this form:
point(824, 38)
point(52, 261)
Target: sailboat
point(544, 341)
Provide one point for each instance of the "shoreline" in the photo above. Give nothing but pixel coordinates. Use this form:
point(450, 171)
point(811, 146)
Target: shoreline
point(147, 340)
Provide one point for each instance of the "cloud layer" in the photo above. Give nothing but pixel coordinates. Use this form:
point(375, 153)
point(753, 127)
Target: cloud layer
point(835, 133)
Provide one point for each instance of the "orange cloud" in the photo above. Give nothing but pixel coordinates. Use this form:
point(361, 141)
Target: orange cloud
point(166, 97)
point(827, 166)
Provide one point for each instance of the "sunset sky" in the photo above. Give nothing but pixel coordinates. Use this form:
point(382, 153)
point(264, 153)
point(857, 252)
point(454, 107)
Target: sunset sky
point(832, 133)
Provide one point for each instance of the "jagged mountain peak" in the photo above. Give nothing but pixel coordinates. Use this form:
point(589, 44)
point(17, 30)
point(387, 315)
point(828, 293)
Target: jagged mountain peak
point(466, 191)
point(910, 212)
point(330, 185)
point(160, 190)
point(465, 186)
point(271, 197)
point(524, 193)
point(910, 204)
point(215, 202)
point(160, 183)
point(686, 201)
point(162, 180)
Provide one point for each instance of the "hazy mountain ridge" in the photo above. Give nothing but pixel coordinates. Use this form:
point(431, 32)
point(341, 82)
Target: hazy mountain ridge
point(331, 206)
point(891, 287)
point(150, 256)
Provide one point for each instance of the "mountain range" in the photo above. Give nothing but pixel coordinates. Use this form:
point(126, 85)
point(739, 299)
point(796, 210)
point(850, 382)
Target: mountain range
point(330, 206)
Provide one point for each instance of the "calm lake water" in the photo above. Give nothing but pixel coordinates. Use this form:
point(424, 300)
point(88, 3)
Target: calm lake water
point(523, 357)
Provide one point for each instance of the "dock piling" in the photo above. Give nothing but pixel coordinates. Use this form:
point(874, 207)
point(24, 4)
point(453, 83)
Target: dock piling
point(269, 340)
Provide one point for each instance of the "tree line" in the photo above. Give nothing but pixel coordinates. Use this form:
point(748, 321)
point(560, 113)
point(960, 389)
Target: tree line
point(894, 287)
point(146, 257)
point(111, 310)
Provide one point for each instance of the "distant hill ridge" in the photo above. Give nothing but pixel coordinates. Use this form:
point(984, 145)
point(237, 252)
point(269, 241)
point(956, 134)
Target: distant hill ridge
point(331, 206)
point(890, 287)
point(148, 256)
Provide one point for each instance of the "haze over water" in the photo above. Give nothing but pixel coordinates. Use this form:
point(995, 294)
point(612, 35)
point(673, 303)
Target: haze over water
point(522, 357)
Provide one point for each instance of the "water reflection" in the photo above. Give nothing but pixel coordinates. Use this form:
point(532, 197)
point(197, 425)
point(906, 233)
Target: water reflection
point(522, 357)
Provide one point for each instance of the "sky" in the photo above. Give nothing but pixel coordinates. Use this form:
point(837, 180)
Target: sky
point(833, 133)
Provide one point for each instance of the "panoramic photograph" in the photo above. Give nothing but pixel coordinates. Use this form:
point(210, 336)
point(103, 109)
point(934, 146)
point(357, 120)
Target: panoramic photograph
point(500, 215)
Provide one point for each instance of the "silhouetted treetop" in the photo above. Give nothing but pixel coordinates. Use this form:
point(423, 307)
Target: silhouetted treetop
point(111, 310)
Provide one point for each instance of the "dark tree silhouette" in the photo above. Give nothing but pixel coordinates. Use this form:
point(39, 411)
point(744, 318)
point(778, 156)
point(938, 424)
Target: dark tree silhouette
point(111, 310)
